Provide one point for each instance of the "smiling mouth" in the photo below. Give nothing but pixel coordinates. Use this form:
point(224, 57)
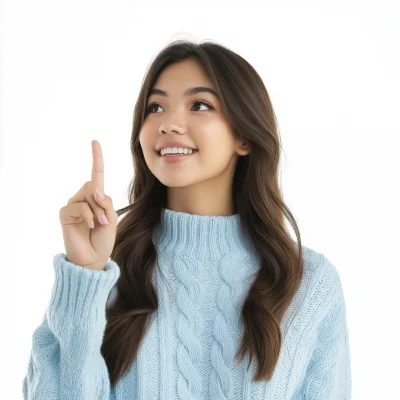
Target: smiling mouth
point(176, 155)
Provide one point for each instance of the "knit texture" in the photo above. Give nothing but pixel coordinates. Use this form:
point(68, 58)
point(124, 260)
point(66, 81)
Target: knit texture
point(205, 268)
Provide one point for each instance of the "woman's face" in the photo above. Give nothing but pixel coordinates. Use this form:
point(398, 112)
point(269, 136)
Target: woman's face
point(200, 125)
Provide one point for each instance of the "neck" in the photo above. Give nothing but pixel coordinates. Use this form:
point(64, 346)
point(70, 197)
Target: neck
point(201, 236)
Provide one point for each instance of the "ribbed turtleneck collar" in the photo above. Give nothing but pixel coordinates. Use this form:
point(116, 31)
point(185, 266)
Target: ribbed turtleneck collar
point(201, 236)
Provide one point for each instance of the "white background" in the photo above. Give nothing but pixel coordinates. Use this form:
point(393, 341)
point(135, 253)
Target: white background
point(71, 72)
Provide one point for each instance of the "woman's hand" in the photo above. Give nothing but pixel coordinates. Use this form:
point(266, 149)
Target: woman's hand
point(86, 246)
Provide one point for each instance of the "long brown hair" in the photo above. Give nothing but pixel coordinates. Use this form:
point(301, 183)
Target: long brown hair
point(257, 199)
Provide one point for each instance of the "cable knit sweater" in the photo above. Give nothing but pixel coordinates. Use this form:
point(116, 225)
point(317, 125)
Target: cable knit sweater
point(207, 267)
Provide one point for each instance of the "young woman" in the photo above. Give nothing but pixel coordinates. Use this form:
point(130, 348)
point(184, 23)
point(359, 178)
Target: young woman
point(199, 292)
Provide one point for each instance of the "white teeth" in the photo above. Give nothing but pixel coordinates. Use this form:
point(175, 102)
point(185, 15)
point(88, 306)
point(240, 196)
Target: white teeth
point(176, 150)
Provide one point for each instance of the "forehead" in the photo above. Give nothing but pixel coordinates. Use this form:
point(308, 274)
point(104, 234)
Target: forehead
point(184, 78)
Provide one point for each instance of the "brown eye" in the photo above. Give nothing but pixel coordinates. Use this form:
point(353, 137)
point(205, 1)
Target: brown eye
point(202, 102)
point(150, 107)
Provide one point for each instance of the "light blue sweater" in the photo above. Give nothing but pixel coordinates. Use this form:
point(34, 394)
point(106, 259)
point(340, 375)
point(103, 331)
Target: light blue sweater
point(207, 266)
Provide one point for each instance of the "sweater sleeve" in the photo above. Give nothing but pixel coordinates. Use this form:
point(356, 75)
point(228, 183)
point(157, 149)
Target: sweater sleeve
point(328, 375)
point(65, 360)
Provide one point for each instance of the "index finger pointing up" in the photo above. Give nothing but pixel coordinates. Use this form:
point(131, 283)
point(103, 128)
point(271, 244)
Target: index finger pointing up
point(97, 166)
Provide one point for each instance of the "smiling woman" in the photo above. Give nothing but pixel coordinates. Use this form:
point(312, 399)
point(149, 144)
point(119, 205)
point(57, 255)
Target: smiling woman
point(180, 116)
point(205, 295)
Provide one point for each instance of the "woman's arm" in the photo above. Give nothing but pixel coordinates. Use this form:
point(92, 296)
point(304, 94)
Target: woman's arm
point(328, 374)
point(65, 360)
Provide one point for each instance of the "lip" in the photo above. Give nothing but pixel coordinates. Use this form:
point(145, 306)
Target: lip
point(173, 143)
point(174, 159)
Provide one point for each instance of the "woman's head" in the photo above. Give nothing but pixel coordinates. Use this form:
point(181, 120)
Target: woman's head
point(238, 136)
point(197, 121)
point(237, 169)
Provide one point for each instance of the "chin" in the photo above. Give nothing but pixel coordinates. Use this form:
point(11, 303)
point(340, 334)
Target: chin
point(176, 182)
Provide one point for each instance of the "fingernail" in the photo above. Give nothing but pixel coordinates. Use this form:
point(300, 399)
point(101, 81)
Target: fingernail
point(100, 193)
point(104, 219)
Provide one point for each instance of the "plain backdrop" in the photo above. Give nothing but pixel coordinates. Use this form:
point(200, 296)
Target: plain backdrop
point(71, 72)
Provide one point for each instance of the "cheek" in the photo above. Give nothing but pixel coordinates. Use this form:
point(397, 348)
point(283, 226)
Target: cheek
point(146, 141)
point(216, 136)
point(141, 138)
point(214, 159)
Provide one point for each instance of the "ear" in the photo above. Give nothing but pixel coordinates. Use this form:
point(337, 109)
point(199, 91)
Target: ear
point(243, 149)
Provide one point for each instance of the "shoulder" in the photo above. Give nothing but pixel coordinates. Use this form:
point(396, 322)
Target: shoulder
point(320, 271)
point(319, 293)
point(322, 285)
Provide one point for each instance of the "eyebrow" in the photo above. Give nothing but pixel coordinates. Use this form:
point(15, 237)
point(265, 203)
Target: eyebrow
point(188, 92)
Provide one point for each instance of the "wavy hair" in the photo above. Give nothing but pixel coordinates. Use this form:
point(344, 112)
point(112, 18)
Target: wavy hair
point(257, 199)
